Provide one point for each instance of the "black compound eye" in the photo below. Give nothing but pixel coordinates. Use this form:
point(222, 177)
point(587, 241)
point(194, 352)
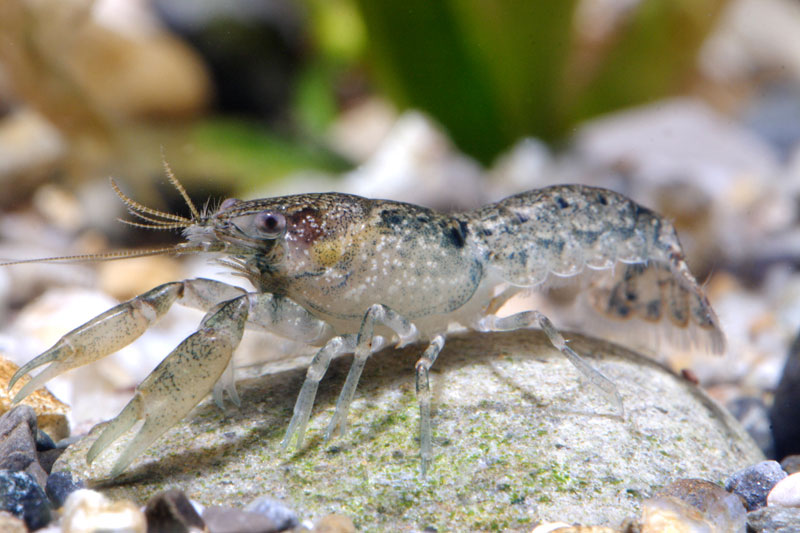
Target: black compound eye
point(270, 223)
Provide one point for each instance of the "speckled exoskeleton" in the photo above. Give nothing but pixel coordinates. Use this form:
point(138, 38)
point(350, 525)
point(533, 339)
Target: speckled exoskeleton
point(344, 273)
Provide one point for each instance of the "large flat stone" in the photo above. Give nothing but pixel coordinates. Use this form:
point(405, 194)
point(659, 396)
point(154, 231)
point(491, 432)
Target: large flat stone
point(518, 438)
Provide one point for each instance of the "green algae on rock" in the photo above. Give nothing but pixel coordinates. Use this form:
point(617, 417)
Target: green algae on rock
point(518, 439)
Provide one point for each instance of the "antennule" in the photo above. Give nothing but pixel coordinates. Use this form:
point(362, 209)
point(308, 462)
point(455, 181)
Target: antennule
point(177, 184)
point(137, 208)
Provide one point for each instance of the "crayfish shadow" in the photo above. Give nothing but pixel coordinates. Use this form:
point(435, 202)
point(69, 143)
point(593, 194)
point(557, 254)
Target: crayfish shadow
point(267, 402)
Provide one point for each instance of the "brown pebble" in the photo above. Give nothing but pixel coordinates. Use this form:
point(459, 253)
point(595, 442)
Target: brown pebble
point(171, 512)
point(335, 523)
point(221, 519)
point(689, 375)
point(693, 504)
point(11, 524)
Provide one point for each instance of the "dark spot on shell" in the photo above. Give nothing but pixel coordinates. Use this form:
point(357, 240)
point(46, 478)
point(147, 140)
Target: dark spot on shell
point(391, 217)
point(563, 204)
point(602, 198)
point(456, 234)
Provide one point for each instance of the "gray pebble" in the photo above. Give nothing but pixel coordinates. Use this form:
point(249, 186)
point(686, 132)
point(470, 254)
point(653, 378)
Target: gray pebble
point(48, 458)
point(59, 486)
point(282, 516)
point(16, 416)
point(774, 520)
point(754, 483)
point(21, 496)
point(229, 520)
point(17, 444)
point(171, 511)
point(43, 441)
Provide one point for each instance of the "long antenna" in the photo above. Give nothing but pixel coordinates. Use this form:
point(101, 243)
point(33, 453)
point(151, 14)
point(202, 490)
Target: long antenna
point(109, 256)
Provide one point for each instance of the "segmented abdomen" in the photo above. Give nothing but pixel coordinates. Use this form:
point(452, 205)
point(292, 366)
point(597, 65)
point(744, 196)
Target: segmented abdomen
point(561, 230)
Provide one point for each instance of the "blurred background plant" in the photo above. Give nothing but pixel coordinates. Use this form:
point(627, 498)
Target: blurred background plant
point(248, 91)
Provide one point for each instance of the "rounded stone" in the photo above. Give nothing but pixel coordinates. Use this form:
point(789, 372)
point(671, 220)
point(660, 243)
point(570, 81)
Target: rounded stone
point(786, 493)
point(59, 486)
point(518, 438)
point(773, 520)
point(22, 497)
point(754, 483)
point(694, 505)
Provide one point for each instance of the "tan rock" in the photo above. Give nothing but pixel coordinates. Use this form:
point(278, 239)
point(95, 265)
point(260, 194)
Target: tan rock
point(335, 523)
point(51, 414)
point(11, 524)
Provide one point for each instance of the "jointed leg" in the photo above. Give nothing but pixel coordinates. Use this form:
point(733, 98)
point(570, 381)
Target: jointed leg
point(376, 313)
point(527, 319)
point(305, 400)
point(422, 368)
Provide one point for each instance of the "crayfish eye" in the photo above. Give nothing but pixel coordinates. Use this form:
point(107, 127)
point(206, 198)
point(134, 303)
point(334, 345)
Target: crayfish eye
point(270, 223)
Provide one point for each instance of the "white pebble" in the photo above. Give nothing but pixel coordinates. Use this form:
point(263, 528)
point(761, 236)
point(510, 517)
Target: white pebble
point(87, 511)
point(786, 493)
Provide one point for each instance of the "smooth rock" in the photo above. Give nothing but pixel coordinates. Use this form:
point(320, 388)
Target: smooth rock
point(21, 496)
point(774, 520)
point(517, 439)
point(791, 464)
point(172, 512)
point(693, 506)
point(786, 493)
point(51, 414)
point(11, 524)
point(87, 511)
point(222, 519)
point(754, 483)
point(59, 486)
point(282, 516)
